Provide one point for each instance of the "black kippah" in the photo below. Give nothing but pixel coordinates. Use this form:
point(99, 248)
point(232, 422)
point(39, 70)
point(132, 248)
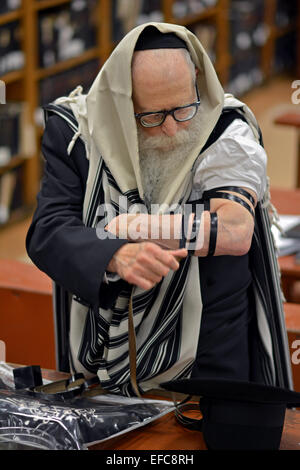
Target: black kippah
point(152, 38)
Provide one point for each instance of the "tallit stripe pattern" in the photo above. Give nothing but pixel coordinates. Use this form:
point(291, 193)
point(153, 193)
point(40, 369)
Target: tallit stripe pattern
point(104, 343)
point(159, 349)
point(265, 267)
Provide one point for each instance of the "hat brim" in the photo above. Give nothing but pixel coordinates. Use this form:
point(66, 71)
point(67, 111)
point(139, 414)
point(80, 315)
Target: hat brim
point(233, 390)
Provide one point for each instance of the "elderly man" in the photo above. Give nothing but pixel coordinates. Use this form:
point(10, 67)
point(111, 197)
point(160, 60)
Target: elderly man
point(150, 151)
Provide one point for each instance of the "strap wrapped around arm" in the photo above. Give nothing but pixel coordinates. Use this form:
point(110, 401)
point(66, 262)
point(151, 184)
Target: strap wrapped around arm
point(231, 197)
point(197, 210)
point(236, 189)
point(213, 233)
point(195, 232)
point(182, 241)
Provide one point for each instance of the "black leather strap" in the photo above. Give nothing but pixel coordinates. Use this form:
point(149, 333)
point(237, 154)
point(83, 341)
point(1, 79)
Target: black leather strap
point(236, 189)
point(60, 389)
point(227, 117)
point(206, 203)
point(190, 423)
point(65, 389)
point(182, 241)
point(231, 197)
point(195, 231)
point(213, 233)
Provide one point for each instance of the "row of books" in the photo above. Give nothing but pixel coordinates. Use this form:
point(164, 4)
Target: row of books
point(182, 8)
point(16, 140)
point(63, 33)
point(127, 15)
point(66, 31)
point(245, 72)
point(248, 33)
point(247, 25)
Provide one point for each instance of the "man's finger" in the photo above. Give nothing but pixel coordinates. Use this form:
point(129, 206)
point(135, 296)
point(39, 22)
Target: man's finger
point(180, 253)
point(139, 281)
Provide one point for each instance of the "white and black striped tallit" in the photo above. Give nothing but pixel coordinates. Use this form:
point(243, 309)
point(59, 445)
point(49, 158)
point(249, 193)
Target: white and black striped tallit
point(158, 314)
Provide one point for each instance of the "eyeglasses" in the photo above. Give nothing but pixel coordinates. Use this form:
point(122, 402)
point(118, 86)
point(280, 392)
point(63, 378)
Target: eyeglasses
point(180, 114)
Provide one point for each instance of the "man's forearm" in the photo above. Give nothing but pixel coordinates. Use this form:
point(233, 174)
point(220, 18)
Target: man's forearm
point(167, 230)
point(234, 234)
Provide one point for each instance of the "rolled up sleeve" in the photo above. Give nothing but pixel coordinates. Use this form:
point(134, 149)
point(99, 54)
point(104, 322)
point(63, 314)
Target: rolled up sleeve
point(235, 159)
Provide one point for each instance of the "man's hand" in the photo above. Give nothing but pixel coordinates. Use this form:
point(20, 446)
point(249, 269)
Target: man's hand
point(145, 264)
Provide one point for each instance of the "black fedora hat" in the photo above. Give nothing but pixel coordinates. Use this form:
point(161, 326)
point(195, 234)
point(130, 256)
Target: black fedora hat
point(238, 415)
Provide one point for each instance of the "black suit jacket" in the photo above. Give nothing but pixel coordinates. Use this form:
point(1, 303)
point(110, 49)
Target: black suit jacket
point(57, 240)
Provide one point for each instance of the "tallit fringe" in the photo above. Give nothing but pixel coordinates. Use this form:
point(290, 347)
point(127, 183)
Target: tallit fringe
point(72, 98)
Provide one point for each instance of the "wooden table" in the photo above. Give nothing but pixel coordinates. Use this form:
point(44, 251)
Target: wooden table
point(167, 434)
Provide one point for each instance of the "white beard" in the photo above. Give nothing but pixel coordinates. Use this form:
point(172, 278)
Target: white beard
point(162, 156)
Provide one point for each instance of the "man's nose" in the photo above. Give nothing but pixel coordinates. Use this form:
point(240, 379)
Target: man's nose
point(169, 126)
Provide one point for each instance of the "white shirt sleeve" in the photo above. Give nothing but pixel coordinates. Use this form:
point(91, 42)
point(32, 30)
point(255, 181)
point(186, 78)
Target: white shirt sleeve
point(235, 159)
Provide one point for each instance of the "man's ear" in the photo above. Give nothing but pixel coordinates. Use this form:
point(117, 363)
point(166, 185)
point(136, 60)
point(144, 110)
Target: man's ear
point(197, 71)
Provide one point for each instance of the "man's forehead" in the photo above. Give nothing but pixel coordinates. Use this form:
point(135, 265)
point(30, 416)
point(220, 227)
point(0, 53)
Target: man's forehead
point(150, 69)
point(157, 58)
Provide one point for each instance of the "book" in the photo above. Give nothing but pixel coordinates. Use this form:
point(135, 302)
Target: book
point(9, 5)
point(66, 32)
point(11, 55)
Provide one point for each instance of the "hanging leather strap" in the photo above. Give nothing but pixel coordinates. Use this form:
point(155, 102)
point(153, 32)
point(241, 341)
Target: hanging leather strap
point(132, 348)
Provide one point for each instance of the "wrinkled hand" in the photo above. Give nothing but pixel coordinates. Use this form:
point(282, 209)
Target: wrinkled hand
point(145, 264)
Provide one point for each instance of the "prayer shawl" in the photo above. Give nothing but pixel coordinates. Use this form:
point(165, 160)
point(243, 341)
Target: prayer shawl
point(166, 318)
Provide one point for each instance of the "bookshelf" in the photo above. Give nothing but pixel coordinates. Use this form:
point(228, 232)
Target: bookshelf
point(30, 82)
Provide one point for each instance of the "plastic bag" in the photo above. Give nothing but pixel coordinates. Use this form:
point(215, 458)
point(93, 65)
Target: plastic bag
point(73, 424)
point(22, 438)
